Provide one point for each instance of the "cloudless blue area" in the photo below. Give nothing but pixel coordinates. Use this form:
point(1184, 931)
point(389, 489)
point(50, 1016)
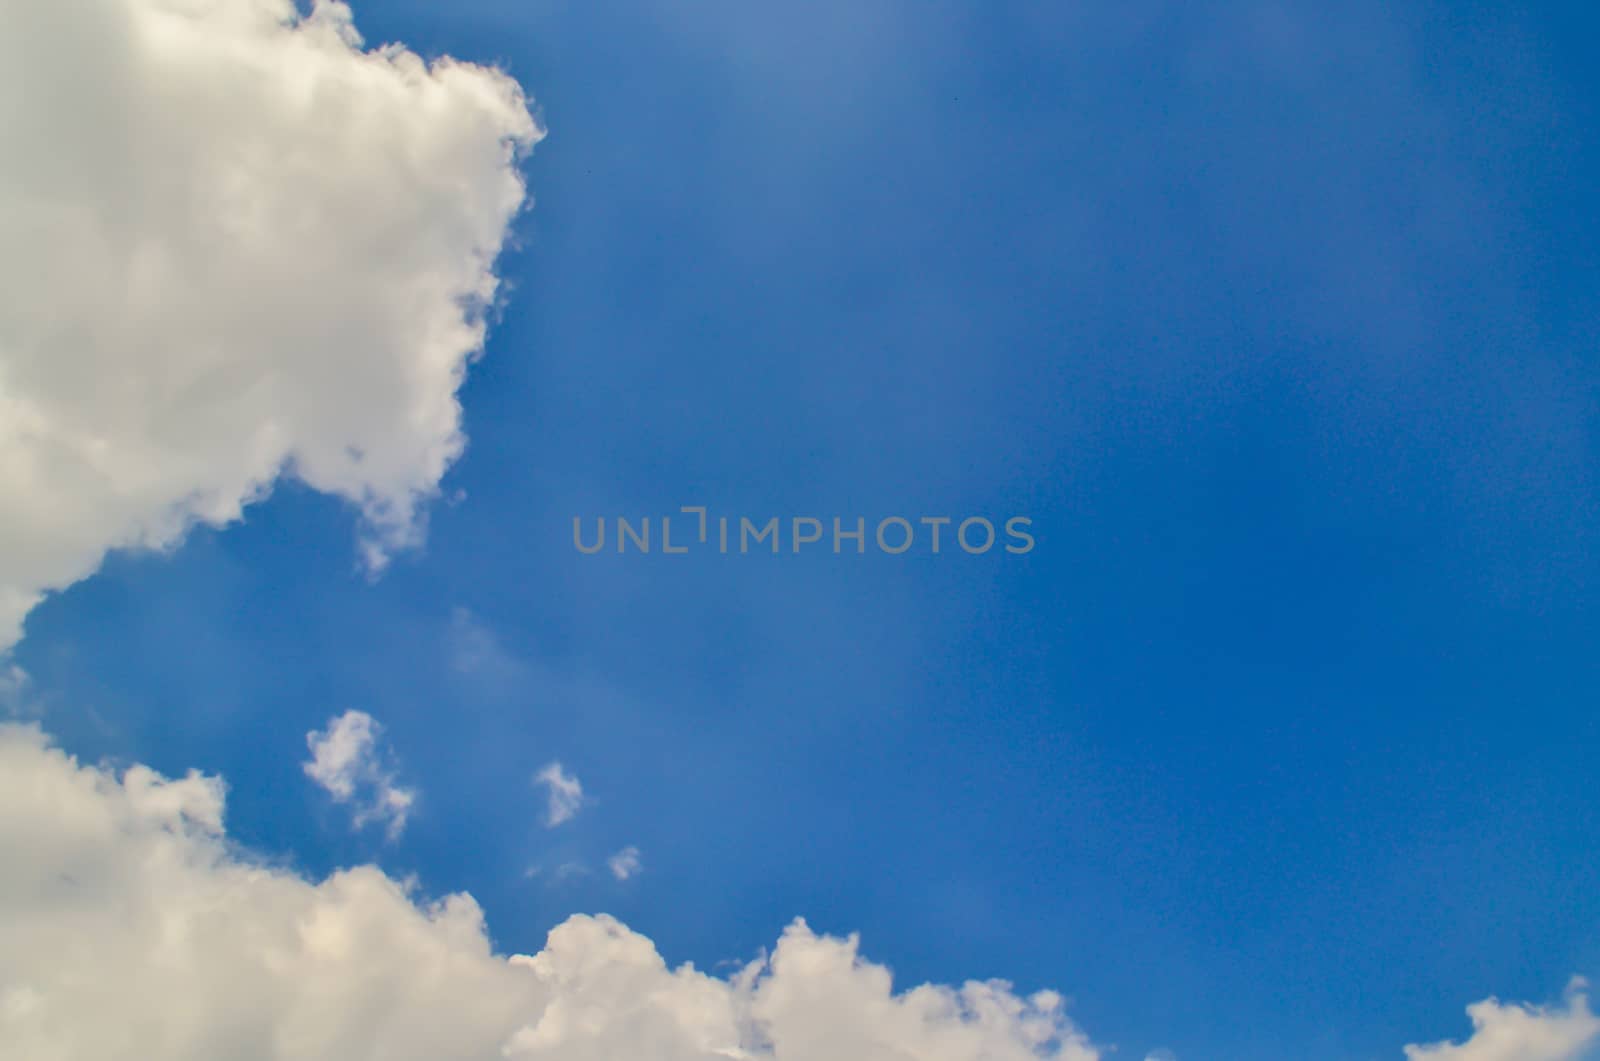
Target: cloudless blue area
point(1279, 321)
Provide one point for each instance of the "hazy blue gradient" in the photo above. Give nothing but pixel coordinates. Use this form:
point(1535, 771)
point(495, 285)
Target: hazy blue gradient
point(1279, 320)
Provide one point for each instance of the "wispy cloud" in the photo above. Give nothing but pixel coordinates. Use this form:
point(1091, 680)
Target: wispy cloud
point(564, 794)
point(477, 652)
point(625, 864)
point(349, 763)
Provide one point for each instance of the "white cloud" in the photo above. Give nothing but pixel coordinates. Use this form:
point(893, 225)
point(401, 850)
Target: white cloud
point(625, 864)
point(122, 900)
point(1506, 1032)
point(131, 927)
point(348, 762)
point(564, 792)
point(233, 245)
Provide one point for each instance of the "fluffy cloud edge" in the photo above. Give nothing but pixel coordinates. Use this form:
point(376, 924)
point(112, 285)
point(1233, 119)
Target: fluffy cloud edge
point(350, 762)
point(127, 900)
point(294, 238)
point(1516, 1032)
point(124, 898)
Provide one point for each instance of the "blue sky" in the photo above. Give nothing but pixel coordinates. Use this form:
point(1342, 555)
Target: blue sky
point(1277, 321)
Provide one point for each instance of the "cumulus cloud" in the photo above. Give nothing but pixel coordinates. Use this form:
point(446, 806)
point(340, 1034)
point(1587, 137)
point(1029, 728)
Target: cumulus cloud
point(1508, 1032)
point(234, 245)
point(348, 761)
point(564, 794)
point(625, 864)
point(131, 927)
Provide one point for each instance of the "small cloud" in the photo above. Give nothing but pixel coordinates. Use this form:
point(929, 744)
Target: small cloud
point(569, 870)
point(565, 794)
point(558, 874)
point(347, 762)
point(625, 863)
point(477, 651)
